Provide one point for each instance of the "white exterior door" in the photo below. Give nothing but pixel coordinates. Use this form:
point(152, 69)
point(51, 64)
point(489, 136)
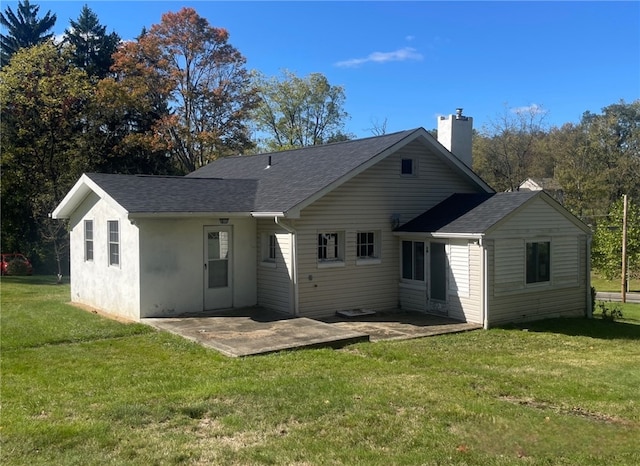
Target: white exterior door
point(218, 268)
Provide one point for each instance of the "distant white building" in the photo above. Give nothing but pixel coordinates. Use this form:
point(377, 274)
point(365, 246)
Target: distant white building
point(549, 185)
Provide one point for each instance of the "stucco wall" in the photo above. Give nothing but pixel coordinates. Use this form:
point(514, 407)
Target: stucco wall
point(95, 283)
point(172, 264)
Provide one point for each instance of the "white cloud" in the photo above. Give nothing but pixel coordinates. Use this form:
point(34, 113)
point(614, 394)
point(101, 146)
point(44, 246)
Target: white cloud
point(404, 54)
point(533, 109)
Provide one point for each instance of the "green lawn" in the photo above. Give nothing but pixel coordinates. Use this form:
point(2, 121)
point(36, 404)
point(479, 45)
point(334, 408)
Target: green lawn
point(78, 389)
point(603, 284)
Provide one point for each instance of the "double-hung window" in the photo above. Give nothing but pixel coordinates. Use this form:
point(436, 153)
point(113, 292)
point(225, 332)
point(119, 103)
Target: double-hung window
point(538, 262)
point(331, 248)
point(88, 240)
point(114, 242)
point(368, 247)
point(413, 264)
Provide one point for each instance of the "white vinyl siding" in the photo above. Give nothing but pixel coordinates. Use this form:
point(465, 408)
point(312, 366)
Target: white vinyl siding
point(275, 281)
point(509, 297)
point(466, 304)
point(368, 202)
point(459, 268)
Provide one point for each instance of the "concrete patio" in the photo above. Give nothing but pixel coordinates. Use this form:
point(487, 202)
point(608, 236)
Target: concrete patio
point(256, 331)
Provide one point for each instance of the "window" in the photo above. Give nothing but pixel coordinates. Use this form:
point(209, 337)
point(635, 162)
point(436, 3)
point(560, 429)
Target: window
point(538, 262)
point(330, 248)
point(88, 240)
point(269, 249)
point(114, 242)
point(407, 167)
point(368, 247)
point(413, 260)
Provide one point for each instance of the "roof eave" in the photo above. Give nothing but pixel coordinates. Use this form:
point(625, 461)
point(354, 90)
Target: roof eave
point(78, 193)
point(190, 214)
point(439, 235)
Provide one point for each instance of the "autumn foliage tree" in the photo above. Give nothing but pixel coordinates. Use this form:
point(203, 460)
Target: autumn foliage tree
point(204, 80)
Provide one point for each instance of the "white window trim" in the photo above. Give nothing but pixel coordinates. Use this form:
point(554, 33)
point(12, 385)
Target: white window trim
point(377, 242)
point(109, 243)
point(339, 261)
point(93, 251)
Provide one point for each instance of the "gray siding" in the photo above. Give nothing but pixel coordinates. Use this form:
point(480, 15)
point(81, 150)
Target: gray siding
point(366, 203)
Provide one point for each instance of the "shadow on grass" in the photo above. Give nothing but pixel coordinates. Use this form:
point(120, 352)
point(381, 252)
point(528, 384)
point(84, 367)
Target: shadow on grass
point(35, 279)
point(594, 328)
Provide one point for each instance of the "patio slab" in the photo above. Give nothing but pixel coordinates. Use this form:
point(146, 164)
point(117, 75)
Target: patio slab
point(246, 335)
point(256, 331)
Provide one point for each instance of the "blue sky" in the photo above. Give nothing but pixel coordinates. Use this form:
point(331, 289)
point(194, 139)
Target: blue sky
point(408, 62)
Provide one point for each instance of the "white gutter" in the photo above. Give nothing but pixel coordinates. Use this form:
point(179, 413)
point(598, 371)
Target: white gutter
point(267, 214)
point(294, 260)
point(483, 284)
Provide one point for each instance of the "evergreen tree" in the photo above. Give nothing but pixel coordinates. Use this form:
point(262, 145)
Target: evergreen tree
point(25, 29)
point(91, 46)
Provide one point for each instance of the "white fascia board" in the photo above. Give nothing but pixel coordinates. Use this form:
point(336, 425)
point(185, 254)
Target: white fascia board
point(415, 234)
point(135, 215)
point(267, 214)
point(457, 235)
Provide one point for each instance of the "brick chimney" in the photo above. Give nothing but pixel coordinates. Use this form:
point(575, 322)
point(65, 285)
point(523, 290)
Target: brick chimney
point(454, 133)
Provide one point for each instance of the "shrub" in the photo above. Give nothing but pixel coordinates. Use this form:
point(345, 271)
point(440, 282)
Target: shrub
point(609, 311)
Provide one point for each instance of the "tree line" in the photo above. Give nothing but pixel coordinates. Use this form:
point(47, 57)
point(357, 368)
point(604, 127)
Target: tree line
point(180, 95)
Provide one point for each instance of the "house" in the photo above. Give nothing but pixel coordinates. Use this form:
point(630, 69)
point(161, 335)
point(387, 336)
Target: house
point(550, 185)
point(382, 223)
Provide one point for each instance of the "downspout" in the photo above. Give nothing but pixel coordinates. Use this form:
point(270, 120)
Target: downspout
point(589, 308)
point(483, 285)
point(294, 261)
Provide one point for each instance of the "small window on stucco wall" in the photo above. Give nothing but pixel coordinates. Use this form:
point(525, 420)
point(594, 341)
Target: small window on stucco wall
point(88, 240)
point(114, 242)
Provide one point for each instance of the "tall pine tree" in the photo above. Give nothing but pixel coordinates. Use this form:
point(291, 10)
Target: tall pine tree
point(25, 29)
point(91, 46)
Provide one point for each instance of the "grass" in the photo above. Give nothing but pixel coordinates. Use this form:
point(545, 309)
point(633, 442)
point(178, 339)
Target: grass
point(603, 284)
point(80, 389)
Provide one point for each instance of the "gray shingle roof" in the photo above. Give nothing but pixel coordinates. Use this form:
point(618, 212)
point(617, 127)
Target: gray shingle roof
point(295, 175)
point(273, 182)
point(467, 213)
point(164, 194)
